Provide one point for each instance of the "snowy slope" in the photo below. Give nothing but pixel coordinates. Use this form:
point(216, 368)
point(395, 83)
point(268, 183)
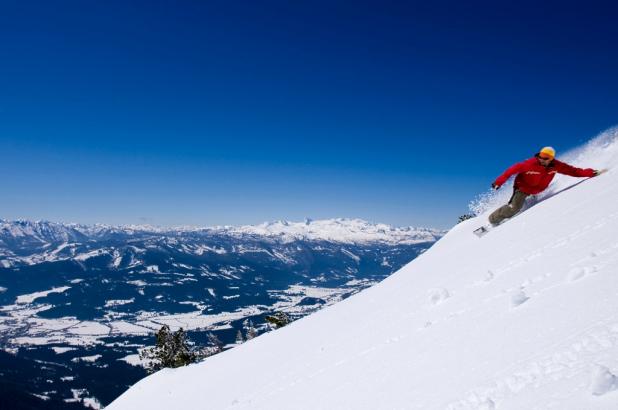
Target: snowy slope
point(524, 318)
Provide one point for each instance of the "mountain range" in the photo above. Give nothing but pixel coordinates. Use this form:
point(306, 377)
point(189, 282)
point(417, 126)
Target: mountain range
point(84, 299)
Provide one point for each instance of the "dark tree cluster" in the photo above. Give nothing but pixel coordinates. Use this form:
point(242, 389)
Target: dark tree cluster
point(278, 319)
point(174, 349)
point(465, 217)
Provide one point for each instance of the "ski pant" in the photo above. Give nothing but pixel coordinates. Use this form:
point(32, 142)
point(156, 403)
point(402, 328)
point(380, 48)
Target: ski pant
point(507, 211)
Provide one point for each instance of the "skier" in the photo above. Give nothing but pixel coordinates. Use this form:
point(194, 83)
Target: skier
point(533, 176)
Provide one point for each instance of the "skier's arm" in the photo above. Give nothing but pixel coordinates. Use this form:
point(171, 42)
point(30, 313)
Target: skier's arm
point(567, 169)
point(512, 170)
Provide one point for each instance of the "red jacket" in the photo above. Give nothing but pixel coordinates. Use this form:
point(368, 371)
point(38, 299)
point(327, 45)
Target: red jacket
point(532, 177)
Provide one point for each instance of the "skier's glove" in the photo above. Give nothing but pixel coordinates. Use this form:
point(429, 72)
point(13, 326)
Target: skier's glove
point(495, 187)
point(596, 172)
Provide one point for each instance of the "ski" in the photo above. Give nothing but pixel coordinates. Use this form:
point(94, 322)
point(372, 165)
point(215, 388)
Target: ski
point(484, 230)
point(481, 231)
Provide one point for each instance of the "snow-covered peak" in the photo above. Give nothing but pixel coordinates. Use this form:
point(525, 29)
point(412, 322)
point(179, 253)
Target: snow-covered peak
point(340, 230)
point(41, 231)
point(525, 317)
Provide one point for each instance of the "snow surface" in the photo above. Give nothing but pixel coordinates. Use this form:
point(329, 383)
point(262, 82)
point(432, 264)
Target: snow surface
point(93, 254)
point(91, 359)
point(132, 359)
point(30, 297)
point(524, 318)
point(118, 302)
point(60, 350)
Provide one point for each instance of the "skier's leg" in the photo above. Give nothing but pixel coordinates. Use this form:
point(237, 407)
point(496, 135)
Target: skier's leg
point(499, 214)
point(517, 201)
point(507, 211)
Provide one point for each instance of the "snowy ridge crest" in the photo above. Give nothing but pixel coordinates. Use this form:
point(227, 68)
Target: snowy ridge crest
point(334, 230)
point(340, 230)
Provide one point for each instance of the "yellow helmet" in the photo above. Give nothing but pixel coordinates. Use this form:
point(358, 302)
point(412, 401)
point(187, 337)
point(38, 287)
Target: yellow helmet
point(548, 152)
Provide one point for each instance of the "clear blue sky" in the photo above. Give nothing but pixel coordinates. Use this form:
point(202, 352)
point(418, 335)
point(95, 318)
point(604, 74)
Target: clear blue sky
point(235, 112)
